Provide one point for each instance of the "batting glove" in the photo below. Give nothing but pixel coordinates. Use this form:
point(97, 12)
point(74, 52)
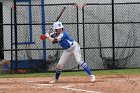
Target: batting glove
point(43, 37)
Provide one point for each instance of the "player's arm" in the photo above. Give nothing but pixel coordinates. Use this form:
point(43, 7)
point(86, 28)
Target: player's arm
point(51, 36)
point(53, 39)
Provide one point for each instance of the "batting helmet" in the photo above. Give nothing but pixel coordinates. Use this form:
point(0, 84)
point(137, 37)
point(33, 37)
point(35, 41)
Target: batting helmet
point(57, 25)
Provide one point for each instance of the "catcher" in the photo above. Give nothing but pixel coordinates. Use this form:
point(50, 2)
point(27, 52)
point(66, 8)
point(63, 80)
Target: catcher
point(70, 47)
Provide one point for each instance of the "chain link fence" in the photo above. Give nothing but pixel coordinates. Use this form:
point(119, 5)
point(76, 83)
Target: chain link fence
point(108, 34)
point(104, 37)
point(32, 21)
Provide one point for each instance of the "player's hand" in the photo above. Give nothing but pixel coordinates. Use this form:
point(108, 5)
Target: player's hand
point(43, 37)
point(49, 31)
point(47, 35)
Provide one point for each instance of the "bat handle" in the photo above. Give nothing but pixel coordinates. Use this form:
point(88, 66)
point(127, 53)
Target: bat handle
point(50, 30)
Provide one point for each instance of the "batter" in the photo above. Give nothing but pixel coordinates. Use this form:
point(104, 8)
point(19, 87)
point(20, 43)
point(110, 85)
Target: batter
point(70, 46)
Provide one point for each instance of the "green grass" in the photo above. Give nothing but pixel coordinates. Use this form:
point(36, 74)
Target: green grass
point(77, 73)
point(121, 71)
point(105, 72)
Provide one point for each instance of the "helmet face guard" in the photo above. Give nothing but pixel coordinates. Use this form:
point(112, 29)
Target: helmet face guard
point(57, 25)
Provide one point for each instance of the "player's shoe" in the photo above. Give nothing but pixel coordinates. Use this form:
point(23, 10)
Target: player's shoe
point(92, 78)
point(53, 81)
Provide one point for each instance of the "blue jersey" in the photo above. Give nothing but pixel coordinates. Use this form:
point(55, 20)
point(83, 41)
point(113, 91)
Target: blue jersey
point(65, 41)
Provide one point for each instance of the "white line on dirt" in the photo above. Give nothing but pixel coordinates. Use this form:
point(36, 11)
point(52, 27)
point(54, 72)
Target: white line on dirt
point(45, 84)
point(68, 87)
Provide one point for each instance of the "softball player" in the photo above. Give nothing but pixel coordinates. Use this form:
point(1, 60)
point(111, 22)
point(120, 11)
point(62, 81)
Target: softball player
point(70, 47)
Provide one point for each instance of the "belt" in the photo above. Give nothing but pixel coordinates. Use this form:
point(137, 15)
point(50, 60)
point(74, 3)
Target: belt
point(70, 46)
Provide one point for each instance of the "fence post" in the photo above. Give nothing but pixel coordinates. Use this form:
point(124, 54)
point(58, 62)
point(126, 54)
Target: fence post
point(113, 36)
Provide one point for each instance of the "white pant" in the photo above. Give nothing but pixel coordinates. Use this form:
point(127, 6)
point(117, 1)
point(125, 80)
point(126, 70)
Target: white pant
point(75, 50)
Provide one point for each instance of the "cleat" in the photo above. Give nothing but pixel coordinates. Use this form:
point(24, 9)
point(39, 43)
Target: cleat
point(53, 81)
point(92, 78)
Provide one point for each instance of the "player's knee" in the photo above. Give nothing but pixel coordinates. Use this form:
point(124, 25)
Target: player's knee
point(59, 68)
point(80, 62)
point(83, 64)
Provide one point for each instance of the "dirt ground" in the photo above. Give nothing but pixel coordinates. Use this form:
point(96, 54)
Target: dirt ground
point(73, 84)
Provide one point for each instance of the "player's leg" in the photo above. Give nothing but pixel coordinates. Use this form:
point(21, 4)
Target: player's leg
point(77, 54)
point(63, 59)
point(87, 69)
